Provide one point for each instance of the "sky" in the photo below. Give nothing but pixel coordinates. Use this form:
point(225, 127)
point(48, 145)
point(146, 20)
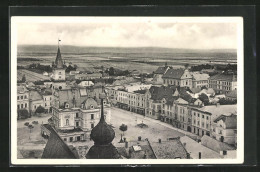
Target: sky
point(194, 35)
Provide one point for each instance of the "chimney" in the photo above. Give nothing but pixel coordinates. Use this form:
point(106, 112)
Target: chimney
point(160, 141)
point(126, 144)
point(139, 138)
point(199, 155)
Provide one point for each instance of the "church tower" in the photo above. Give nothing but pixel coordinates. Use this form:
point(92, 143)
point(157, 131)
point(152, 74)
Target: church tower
point(102, 135)
point(58, 69)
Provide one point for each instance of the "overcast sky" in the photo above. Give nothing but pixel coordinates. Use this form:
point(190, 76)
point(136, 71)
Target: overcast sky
point(139, 34)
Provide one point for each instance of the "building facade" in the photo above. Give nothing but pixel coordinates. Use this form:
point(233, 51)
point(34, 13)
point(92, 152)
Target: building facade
point(22, 98)
point(178, 77)
point(223, 83)
point(199, 80)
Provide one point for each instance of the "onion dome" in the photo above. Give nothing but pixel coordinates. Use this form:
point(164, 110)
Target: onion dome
point(102, 133)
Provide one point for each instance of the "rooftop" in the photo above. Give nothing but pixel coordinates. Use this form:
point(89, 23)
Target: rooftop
point(232, 94)
point(173, 73)
point(171, 149)
point(217, 110)
point(230, 121)
point(200, 76)
point(161, 70)
point(214, 144)
point(35, 95)
point(224, 77)
point(56, 148)
point(21, 89)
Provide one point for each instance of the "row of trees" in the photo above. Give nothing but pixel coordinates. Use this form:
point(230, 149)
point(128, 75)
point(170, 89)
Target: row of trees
point(117, 72)
point(24, 113)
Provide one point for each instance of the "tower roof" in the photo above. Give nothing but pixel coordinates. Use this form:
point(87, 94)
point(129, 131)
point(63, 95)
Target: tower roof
point(102, 135)
point(58, 60)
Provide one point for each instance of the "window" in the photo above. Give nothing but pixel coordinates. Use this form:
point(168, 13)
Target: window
point(21, 97)
point(71, 139)
point(220, 132)
point(65, 139)
point(67, 122)
point(198, 115)
point(21, 105)
point(224, 152)
point(198, 123)
point(91, 106)
point(18, 106)
point(92, 116)
point(92, 125)
point(59, 73)
point(59, 77)
point(34, 106)
point(77, 115)
point(77, 124)
point(25, 97)
point(207, 118)
point(194, 114)
point(18, 97)
point(25, 105)
point(45, 104)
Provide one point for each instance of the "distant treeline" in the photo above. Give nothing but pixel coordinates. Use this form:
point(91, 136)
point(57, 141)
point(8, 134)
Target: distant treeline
point(28, 59)
point(117, 72)
point(228, 67)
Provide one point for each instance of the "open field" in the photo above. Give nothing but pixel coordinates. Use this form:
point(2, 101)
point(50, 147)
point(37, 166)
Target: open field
point(30, 76)
point(145, 59)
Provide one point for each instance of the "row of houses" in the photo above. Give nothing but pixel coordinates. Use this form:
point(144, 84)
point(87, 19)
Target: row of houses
point(176, 106)
point(221, 83)
point(31, 99)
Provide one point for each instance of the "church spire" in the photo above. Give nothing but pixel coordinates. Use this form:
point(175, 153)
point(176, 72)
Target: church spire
point(59, 61)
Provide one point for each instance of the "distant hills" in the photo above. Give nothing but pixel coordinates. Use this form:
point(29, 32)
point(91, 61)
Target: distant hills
point(157, 52)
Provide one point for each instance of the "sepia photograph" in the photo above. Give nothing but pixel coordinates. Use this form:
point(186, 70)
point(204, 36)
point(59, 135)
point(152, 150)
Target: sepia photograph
point(127, 90)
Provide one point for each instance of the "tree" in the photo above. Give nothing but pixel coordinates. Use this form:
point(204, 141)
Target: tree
point(204, 98)
point(203, 87)
point(23, 114)
point(123, 128)
point(40, 110)
point(224, 101)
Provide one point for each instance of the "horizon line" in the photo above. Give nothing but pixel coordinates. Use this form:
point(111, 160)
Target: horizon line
point(126, 47)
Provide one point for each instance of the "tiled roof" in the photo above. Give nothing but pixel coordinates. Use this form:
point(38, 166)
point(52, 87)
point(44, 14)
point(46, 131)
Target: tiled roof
point(215, 144)
point(173, 73)
point(230, 121)
point(56, 148)
point(35, 95)
point(161, 70)
point(140, 91)
point(200, 76)
point(169, 149)
point(232, 94)
point(223, 77)
point(158, 93)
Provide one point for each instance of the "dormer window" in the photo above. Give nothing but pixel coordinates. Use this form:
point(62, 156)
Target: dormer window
point(104, 103)
point(67, 105)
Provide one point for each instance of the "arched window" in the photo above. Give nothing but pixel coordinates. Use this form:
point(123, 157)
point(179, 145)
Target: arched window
point(67, 122)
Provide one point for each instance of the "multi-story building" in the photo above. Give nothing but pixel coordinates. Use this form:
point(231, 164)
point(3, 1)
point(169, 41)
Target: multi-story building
point(178, 77)
point(232, 95)
point(75, 123)
point(47, 99)
point(223, 83)
point(22, 98)
point(199, 80)
point(157, 77)
point(226, 129)
point(203, 118)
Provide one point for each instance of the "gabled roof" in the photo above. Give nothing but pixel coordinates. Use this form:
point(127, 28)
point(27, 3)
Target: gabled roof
point(195, 90)
point(230, 121)
point(35, 95)
point(173, 73)
point(223, 77)
point(56, 148)
point(215, 144)
point(232, 94)
point(158, 93)
point(161, 70)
